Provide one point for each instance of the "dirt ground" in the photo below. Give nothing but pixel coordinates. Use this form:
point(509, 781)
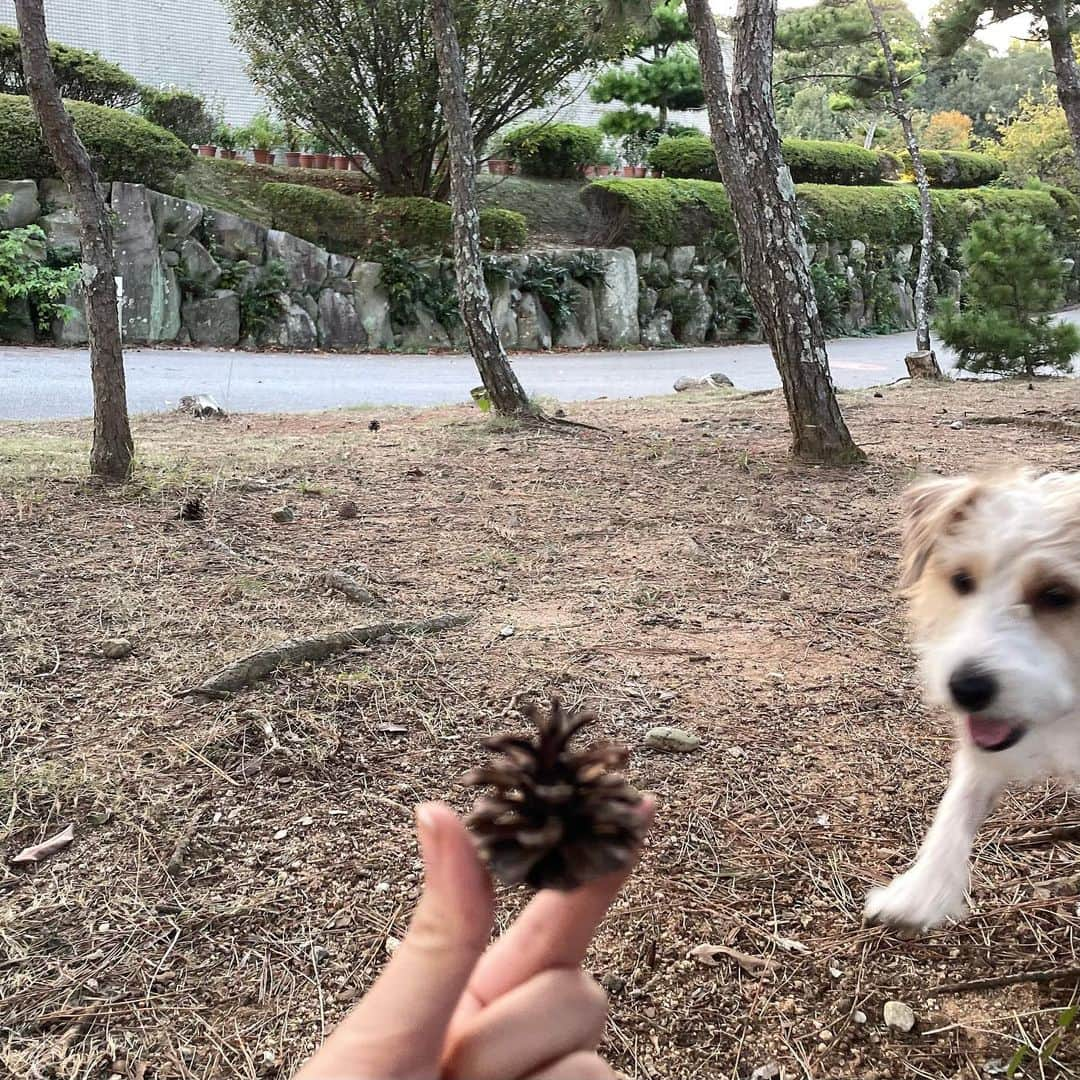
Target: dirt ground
point(239, 865)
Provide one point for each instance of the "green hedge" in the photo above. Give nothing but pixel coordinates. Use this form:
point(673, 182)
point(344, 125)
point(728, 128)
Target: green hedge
point(179, 111)
point(80, 75)
point(350, 225)
point(555, 151)
point(661, 213)
point(811, 161)
point(814, 161)
point(122, 146)
point(657, 213)
point(957, 168)
point(415, 222)
point(336, 222)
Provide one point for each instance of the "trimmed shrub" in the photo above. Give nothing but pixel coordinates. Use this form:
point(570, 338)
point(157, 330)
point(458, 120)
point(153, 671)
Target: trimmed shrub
point(687, 157)
point(350, 225)
point(504, 229)
point(336, 222)
point(178, 111)
point(811, 161)
point(657, 213)
point(416, 222)
point(80, 75)
point(815, 161)
point(957, 168)
point(555, 151)
point(660, 213)
point(121, 146)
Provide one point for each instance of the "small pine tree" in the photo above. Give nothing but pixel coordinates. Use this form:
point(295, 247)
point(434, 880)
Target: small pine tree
point(1013, 282)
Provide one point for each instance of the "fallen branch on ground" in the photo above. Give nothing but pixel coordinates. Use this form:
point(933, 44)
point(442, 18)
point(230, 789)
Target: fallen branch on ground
point(1040, 423)
point(1067, 831)
point(1047, 975)
point(344, 583)
point(250, 669)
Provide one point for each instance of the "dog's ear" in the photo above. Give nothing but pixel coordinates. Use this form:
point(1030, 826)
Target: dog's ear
point(930, 509)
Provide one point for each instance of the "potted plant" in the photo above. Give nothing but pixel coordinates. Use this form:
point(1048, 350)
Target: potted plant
point(605, 159)
point(634, 149)
point(225, 137)
point(262, 134)
point(340, 161)
point(307, 155)
point(292, 136)
point(320, 152)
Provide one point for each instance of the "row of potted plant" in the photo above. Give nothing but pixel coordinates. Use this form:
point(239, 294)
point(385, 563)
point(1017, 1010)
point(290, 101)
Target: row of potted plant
point(263, 136)
point(506, 167)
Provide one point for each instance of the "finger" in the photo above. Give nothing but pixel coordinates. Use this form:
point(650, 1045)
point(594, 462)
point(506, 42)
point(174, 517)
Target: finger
point(399, 1029)
point(548, 1018)
point(580, 1066)
point(555, 930)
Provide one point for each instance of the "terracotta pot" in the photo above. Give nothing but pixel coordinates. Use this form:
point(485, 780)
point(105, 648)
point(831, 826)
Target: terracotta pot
point(262, 157)
point(292, 159)
point(589, 172)
point(640, 171)
point(499, 166)
point(356, 163)
point(603, 170)
point(307, 161)
point(228, 155)
point(206, 150)
point(627, 170)
point(322, 161)
point(341, 161)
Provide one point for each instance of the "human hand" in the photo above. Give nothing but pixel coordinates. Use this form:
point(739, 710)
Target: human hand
point(447, 1007)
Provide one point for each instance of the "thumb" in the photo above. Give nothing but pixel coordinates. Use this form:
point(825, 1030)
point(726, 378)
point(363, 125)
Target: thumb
point(397, 1032)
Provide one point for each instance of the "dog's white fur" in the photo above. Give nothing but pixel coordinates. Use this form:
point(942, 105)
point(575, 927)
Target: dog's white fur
point(1015, 537)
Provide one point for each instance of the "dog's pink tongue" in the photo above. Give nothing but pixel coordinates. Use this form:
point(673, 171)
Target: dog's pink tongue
point(986, 732)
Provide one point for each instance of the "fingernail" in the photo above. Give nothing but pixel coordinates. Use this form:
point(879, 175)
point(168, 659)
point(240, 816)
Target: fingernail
point(427, 831)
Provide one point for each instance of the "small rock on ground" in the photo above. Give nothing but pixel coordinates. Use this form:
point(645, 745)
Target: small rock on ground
point(348, 510)
point(899, 1016)
point(116, 648)
point(710, 382)
point(284, 514)
point(672, 739)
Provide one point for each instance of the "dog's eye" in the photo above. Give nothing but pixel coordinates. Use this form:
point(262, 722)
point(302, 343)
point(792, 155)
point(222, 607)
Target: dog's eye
point(962, 582)
point(1055, 598)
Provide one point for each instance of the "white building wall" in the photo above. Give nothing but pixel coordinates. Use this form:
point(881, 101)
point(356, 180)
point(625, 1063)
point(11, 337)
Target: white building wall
point(184, 43)
point(187, 43)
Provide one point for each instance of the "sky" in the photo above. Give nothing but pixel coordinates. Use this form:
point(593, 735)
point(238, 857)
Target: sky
point(997, 37)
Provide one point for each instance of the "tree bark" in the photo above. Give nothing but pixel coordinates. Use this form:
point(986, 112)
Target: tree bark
point(506, 393)
point(926, 210)
point(112, 449)
point(774, 262)
point(1065, 68)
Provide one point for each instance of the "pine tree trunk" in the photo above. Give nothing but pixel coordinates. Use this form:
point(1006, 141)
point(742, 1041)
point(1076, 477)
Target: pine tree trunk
point(926, 209)
point(502, 386)
point(774, 263)
point(1065, 68)
point(112, 449)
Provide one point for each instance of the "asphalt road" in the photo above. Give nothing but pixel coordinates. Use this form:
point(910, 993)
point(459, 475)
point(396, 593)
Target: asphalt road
point(44, 383)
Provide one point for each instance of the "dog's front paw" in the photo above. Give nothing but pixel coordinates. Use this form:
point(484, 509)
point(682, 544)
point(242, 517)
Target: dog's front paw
point(916, 901)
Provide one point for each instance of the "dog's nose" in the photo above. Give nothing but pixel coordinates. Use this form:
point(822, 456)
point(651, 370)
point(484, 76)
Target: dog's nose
point(972, 688)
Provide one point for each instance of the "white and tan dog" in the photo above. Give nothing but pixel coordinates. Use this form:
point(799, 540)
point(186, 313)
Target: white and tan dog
point(992, 571)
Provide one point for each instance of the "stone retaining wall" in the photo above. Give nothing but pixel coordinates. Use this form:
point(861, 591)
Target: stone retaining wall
point(194, 276)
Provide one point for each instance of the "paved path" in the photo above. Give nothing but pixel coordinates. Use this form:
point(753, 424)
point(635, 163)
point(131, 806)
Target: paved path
point(41, 383)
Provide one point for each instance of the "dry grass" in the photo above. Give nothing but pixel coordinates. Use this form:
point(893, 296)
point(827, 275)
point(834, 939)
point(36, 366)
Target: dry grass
point(239, 865)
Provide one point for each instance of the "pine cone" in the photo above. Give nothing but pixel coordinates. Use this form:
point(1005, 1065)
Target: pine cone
point(192, 509)
point(557, 818)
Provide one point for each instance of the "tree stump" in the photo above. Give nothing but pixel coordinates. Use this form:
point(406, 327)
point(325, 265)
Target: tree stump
point(922, 364)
